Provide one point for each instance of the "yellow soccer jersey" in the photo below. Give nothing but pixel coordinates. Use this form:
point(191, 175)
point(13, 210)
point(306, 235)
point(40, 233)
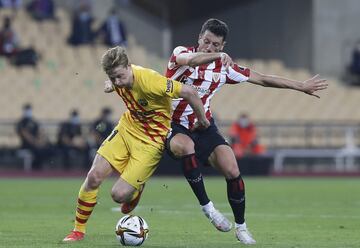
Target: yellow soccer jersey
point(149, 105)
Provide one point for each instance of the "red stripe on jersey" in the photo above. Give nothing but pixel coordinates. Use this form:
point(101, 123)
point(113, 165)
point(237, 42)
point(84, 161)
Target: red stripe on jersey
point(86, 204)
point(208, 114)
point(160, 125)
point(230, 81)
point(179, 110)
point(132, 107)
point(213, 87)
point(147, 127)
point(243, 71)
point(170, 72)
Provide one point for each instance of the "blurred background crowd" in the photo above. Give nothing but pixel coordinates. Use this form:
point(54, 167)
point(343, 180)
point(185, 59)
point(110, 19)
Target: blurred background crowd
point(54, 113)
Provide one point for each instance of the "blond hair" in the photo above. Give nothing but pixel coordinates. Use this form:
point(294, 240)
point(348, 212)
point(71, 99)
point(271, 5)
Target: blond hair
point(113, 58)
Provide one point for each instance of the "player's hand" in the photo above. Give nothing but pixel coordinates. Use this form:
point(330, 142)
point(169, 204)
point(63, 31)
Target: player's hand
point(108, 86)
point(226, 60)
point(201, 125)
point(314, 84)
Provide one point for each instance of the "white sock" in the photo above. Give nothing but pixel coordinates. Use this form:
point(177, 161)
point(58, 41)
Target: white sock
point(208, 207)
point(241, 226)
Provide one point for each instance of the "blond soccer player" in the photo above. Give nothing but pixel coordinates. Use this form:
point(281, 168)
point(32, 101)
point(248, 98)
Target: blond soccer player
point(136, 144)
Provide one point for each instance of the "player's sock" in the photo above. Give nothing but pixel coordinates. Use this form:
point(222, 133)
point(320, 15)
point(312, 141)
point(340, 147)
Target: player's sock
point(193, 176)
point(236, 197)
point(85, 205)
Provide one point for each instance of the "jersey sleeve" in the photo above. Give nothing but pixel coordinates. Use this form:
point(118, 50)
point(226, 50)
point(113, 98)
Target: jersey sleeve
point(177, 51)
point(237, 74)
point(163, 86)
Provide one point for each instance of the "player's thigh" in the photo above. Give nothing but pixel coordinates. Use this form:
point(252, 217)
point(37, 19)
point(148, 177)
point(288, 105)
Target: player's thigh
point(115, 149)
point(223, 159)
point(142, 163)
point(206, 142)
point(181, 145)
point(179, 141)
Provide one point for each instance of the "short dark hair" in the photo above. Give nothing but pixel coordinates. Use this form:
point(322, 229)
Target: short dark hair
point(27, 106)
point(74, 112)
point(215, 26)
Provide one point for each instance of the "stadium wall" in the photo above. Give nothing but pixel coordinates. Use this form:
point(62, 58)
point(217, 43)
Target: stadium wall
point(335, 34)
point(262, 29)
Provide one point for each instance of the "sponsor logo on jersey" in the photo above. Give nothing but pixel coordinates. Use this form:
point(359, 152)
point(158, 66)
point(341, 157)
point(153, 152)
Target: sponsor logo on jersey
point(199, 89)
point(169, 86)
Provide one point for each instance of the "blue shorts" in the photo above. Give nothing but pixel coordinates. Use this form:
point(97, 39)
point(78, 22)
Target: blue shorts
point(205, 140)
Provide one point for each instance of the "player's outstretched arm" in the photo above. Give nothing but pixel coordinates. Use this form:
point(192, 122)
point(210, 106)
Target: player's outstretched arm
point(108, 86)
point(200, 58)
point(309, 86)
point(192, 97)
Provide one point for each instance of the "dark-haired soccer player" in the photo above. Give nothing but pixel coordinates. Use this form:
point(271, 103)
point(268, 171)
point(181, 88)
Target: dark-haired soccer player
point(206, 68)
point(136, 144)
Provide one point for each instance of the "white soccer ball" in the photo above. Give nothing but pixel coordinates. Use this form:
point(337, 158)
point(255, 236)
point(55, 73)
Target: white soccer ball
point(131, 230)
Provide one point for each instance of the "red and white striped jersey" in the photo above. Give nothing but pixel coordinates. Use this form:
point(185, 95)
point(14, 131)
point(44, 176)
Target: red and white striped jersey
point(206, 79)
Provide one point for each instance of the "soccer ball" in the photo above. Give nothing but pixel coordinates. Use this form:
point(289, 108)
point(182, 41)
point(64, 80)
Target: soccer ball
point(131, 230)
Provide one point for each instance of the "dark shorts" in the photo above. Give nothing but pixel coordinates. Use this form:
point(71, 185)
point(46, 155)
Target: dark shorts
point(205, 140)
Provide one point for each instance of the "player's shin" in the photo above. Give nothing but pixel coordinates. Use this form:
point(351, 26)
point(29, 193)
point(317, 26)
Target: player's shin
point(236, 197)
point(193, 175)
point(85, 205)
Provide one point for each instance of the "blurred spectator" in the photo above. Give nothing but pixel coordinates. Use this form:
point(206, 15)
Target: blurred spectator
point(102, 127)
point(82, 32)
point(9, 43)
point(355, 62)
point(14, 4)
point(71, 143)
point(41, 9)
point(33, 138)
point(9, 47)
point(112, 31)
point(244, 140)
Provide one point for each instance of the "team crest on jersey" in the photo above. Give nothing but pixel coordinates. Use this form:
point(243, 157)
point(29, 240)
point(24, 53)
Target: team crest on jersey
point(143, 102)
point(216, 76)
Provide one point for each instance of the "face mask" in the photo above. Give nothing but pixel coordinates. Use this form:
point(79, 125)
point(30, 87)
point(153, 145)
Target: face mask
point(28, 113)
point(243, 122)
point(75, 120)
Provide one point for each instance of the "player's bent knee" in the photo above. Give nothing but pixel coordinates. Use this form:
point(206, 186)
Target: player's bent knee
point(181, 146)
point(232, 171)
point(120, 196)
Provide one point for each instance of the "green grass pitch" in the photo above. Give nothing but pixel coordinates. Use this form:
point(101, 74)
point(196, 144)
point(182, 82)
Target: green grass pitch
point(281, 212)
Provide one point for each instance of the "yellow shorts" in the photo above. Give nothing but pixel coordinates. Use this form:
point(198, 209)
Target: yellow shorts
point(134, 159)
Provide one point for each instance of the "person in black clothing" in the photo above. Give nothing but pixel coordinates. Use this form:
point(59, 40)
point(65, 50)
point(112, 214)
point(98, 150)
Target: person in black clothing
point(82, 32)
point(33, 138)
point(102, 127)
point(112, 31)
point(41, 9)
point(9, 42)
point(71, 142)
